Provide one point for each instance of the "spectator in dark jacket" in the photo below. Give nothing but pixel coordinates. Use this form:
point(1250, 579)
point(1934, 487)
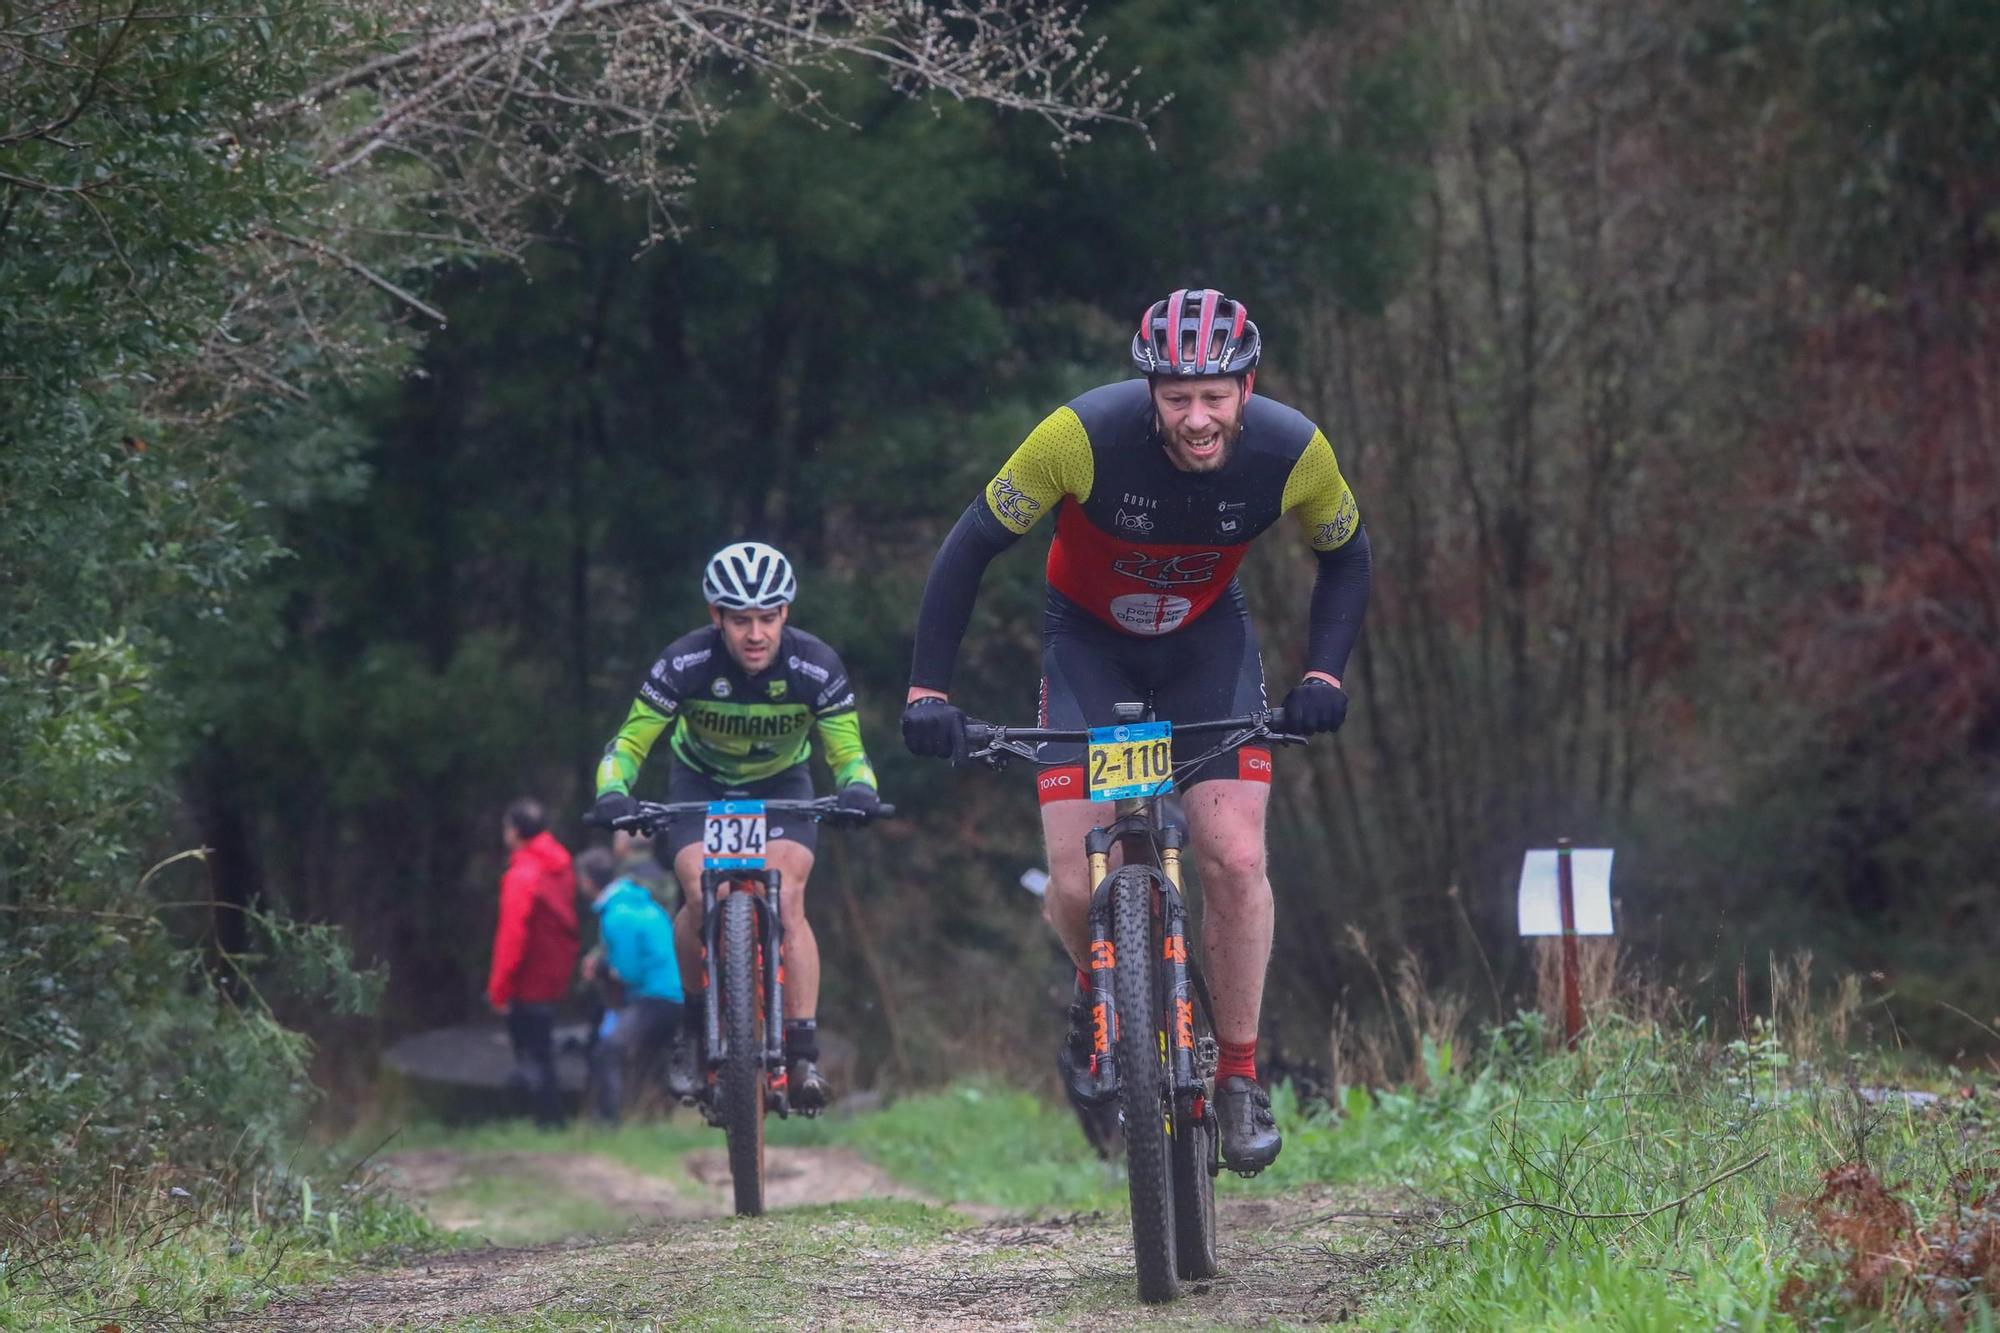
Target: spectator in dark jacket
point(534, 949)
point(638, 950)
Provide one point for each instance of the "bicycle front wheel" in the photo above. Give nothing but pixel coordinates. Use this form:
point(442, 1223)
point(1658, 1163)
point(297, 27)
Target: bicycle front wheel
point(1143, 1087)
point(740, 1086)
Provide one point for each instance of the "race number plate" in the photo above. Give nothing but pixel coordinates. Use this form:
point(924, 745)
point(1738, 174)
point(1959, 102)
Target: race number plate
point(1131, 760)
point(732, 837)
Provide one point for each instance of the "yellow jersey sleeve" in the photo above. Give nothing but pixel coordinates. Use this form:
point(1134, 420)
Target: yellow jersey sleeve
point(1052, 462)
point(1324, 502)
point(629, 748)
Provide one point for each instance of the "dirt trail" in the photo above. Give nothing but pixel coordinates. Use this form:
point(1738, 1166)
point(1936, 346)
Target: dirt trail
point(437, 1177)
point(1302, 1258)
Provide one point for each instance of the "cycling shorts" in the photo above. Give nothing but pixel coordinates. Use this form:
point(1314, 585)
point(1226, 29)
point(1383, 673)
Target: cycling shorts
point(1207, 669)
point(685, 783)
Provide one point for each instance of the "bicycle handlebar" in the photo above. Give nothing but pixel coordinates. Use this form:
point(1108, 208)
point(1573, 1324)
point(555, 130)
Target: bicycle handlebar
point(984, 740)
point(652, 815)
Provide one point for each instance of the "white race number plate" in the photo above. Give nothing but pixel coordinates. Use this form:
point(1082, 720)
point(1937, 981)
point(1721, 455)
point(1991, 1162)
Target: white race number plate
point(733, 836)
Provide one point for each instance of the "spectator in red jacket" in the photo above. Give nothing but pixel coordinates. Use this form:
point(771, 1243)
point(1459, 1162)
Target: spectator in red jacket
point(534, 949)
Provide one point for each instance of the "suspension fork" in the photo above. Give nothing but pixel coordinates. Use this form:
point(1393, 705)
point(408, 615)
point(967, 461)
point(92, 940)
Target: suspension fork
point(1103, 961)
point(711, 1017)
point(1132, 831)
point(1176, 984)
point(770, 930)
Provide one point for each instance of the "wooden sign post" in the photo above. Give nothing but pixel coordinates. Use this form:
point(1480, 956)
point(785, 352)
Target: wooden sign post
point(1567, 892)
point(1572, 985)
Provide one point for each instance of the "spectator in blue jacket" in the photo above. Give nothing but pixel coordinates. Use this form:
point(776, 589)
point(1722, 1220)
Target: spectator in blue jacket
point(636, 939)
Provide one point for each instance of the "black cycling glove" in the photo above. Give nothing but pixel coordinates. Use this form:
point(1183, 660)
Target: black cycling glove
point(934, 728)
point(859, 797)
point(612, 805)
point(1314, 706)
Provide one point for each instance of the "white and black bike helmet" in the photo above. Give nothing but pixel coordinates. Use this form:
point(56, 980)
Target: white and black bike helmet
point(749, 576)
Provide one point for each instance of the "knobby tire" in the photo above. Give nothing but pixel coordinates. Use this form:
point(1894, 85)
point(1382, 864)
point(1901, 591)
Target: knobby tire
point(1143, 1086)
point(741, 1083)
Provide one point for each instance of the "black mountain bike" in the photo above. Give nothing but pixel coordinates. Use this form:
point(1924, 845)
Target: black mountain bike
point(742, 937)
point(1154, 1049)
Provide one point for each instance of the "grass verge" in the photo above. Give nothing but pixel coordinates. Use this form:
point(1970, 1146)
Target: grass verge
point(1652, 1179)
point(166, 1256)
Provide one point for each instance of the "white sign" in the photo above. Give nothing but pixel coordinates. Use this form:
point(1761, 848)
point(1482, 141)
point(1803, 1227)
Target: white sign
point(1590, 885)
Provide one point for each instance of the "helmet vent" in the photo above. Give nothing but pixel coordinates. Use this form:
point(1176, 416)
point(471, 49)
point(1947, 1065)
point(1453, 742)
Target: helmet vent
point(1196, 332)
point(749, 576)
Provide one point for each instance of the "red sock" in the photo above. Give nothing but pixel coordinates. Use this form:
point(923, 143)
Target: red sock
point(1238, 1057)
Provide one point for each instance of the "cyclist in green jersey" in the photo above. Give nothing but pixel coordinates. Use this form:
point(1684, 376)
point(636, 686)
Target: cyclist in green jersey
point(739, 700)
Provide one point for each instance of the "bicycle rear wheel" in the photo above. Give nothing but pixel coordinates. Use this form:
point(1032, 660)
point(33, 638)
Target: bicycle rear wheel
point(740, 1087)
point(1143, 1088)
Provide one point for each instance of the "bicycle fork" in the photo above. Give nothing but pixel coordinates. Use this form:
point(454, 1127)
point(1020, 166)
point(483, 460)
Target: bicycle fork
point(771, 935)
point(1176, 986)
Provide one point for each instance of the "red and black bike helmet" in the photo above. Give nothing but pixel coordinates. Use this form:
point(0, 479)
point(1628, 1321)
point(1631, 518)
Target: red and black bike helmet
point(1196, 331)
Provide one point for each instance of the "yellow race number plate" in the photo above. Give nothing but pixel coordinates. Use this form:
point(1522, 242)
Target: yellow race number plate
point(1132, 760)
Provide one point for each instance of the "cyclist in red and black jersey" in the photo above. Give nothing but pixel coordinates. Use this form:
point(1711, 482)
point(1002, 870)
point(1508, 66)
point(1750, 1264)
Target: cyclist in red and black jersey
point(1159, 485)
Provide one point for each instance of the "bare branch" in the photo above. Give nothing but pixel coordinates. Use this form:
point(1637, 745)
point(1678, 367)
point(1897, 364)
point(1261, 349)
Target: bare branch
point(1640, 1213)
point(358, 268)
point(512, 102)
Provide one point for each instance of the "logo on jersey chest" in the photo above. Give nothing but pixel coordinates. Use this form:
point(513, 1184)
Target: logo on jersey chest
point(1132, 501)
point(1169, 571)
point(1133, 522)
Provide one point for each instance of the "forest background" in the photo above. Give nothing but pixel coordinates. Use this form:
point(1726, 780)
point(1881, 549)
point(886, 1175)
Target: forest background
point(346, 494)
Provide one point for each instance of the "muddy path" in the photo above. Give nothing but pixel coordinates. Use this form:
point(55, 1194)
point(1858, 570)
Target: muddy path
point(1295, 1260)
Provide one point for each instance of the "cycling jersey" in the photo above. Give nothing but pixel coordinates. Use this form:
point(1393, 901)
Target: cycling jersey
point(736, 727)
point(1142, 545)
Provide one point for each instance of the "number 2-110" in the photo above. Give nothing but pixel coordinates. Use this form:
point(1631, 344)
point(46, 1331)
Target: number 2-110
point(1141, 762)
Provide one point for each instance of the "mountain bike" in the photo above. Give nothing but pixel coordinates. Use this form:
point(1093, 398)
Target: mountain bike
point(742, 939)
point(1154, 1053)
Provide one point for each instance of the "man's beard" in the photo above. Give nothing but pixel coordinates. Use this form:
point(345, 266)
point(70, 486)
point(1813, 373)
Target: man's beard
point(1176, 441)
